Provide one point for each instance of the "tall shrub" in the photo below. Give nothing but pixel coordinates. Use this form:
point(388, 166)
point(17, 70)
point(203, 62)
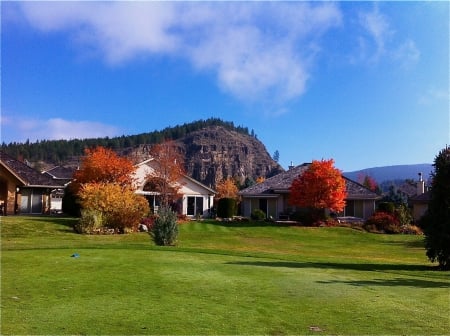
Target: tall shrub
point(90, 221)
point(121, 207)
point(164, 230)
point(436, 222)
point(226, 207)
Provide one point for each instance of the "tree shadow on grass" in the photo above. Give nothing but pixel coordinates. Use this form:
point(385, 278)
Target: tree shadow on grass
point(66, 222)
point(412, 244)
point(360, 267)
point(404, 282)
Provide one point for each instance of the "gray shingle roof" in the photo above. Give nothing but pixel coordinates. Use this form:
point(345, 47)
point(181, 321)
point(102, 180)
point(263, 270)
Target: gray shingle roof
point(26, 174)
point(422, 198)
point(60, 172)
point(281, 183)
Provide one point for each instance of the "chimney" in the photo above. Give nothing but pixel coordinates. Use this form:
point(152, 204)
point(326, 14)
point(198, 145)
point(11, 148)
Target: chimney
point(420, 185)
point(291, 166)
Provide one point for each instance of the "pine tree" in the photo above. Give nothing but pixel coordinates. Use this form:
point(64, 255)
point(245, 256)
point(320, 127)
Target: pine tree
point(276, 156)
point(436, 222)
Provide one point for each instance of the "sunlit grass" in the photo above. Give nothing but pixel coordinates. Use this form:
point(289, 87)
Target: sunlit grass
point(221, 279)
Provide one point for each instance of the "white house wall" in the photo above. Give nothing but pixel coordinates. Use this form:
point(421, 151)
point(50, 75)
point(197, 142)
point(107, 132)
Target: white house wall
point(189, 188)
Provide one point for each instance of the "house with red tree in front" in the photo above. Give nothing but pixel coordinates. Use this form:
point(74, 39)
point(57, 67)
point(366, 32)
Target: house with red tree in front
point(272, 196)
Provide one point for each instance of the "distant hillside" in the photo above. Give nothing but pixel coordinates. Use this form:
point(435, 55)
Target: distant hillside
point(392, 173)
point(215, 152)
point(213, 149)
point(63, 152)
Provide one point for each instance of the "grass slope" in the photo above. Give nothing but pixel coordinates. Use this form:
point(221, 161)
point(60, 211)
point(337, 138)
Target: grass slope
point(222, 278)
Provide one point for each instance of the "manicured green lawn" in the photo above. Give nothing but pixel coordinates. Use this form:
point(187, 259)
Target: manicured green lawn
point(222, 278)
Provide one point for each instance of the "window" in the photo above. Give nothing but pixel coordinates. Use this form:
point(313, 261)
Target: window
point(195, 205)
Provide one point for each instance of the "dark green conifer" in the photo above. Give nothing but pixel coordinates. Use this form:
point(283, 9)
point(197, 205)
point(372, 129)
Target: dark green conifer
point(436, 222)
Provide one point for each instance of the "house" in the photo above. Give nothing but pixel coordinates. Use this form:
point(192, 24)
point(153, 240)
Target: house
point(61, 175)
point(195, 200)
point(420, 205)
point(23, 189)
point(419, 202)
point(272, 195)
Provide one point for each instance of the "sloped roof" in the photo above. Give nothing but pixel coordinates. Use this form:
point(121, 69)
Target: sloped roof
point(27, 175)
point(281, 183)
point(422, 198)
point(60, 172)
point(148, 163)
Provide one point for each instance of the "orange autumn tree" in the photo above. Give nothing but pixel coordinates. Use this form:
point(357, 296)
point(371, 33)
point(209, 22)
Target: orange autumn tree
point(227, 195)
point(103, 165)
point(168, 171)
point(227, 188)
point(319, 187)
point(260, 179)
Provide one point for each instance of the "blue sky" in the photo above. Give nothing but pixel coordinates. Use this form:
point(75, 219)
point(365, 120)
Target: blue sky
point(364, 83)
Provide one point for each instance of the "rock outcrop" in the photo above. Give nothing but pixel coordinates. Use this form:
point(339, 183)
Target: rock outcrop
point(214, 153)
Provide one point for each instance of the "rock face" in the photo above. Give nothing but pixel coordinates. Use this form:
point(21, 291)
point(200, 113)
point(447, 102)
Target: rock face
point(214, 153)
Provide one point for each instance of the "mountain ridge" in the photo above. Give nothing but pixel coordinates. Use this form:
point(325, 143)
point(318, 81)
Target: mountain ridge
point(395, 172)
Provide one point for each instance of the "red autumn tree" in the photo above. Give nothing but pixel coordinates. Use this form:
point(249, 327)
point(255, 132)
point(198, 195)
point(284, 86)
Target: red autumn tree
point(168, 171)
point(369, 182)
point(103, 165)
point(319, 187)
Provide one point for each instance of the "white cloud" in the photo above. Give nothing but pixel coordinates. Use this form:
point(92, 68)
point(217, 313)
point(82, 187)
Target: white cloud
point(379, 41)
point(120, 30)
point(256, 50)
point(434, 95)
point(407, 53)
point(20, 129)
point(378, 28)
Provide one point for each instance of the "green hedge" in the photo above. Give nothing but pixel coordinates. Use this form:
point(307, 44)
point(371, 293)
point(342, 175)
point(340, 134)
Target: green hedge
point(226, 207)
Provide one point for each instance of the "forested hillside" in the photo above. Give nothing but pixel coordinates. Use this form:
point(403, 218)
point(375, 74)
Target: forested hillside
point(61, 151)
point(213, 150)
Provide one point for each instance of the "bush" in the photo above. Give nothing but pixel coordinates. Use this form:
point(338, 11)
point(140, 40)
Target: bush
point(403, 215)
point(412, 229)
point(70, 205)
point(387, 207)
point(128, 214)
point(148, 222)
point(121, 207)
point(382, 222)
point(90, 221)
point(226, 208)
point(164, 230)
point(304, 216)
point(258, 214)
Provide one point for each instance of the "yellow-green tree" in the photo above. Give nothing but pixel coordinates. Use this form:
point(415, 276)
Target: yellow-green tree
point(120, 206)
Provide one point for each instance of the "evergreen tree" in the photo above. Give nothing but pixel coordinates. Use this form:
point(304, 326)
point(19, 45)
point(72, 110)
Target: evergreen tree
point(436, 222)
point(276, 156)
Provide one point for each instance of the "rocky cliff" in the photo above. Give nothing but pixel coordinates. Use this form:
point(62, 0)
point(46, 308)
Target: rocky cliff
point(214, 153)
